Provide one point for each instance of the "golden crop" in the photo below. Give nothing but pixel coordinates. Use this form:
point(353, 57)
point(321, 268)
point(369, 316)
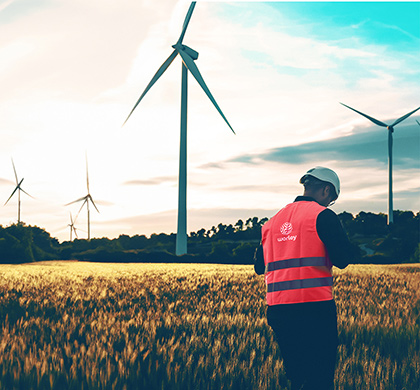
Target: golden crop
point(73, 325)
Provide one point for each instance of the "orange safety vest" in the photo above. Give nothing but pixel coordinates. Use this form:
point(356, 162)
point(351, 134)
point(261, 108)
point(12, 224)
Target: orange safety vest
point(297, 267)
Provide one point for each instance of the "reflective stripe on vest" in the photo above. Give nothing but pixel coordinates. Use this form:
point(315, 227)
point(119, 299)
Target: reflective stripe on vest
point(299, 262)
point(297, 265)
point(300, 283)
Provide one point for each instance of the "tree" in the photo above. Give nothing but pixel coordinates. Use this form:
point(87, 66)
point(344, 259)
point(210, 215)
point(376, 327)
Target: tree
point(239, 225)
point(370, 224)
point(16, 244)
point(201, 233)
point(229, 230)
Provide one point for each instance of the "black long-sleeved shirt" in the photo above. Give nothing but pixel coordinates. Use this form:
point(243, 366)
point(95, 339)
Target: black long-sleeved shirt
point(340, 251)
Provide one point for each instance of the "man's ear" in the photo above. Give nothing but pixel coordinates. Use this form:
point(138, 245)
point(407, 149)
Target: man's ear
point(327, 190)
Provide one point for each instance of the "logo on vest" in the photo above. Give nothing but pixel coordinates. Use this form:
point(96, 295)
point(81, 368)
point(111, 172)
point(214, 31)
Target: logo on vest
point(286, 229)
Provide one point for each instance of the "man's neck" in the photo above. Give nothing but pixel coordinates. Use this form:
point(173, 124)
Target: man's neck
point(306, 198)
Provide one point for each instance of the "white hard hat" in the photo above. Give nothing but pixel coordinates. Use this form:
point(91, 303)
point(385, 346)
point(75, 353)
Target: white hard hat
point(324, 174)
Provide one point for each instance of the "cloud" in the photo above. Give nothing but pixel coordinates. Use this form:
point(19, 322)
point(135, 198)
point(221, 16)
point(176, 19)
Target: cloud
point(104, 203)
point(152, 181)
point(210, 165)
point(90, 50)
point(377, 203)
point(365, 144)
point(5, 4)
point(247, 188)
point(6, 182)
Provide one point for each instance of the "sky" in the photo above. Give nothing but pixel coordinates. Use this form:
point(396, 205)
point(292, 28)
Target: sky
point(72, 70)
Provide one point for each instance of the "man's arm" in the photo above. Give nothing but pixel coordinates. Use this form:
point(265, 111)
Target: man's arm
point(259, 265)
point(332, 234)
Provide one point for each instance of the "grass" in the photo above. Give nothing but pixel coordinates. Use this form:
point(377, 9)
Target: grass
point(70, 325)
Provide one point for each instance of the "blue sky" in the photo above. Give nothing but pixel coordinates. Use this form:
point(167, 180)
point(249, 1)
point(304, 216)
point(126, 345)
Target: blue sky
point(72, 70)
point(380, 22)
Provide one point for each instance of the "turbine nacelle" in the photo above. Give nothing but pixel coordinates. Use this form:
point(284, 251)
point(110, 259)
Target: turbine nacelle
point(191, 52)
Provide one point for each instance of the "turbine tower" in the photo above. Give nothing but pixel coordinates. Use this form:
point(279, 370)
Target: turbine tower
point(188, 56)
point(86, 199)
point(18, 188)
point(390, 142)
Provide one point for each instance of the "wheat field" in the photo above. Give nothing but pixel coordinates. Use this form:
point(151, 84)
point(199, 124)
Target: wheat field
point(76, 325)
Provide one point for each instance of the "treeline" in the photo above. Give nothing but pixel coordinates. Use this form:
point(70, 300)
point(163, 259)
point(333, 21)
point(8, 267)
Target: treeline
point(230, 244)
point(222, 244)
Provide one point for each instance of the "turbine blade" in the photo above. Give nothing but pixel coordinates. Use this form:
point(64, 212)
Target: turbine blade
point(418, 122)
point(93, 203)
point(192, 67)
point(17, 187)
point(75, 201)
point(404, 117)
point(186, 21)
point(379, 123)
point(86, 199)
point(156, 77)
point(25, 192)
point(14, 170)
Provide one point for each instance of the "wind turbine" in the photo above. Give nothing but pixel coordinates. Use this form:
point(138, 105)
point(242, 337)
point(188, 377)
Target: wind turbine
point(18, 188)
point(390, 142)
point(86, 199)
point(418, 122)
point(72, 227)
point(188, 56)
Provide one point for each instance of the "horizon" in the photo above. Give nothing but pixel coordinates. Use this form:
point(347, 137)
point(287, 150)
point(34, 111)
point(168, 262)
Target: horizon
point(188, 233)
point(278, 72)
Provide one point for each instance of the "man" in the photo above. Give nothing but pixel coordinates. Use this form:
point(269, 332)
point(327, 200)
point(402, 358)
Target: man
point(300, 244)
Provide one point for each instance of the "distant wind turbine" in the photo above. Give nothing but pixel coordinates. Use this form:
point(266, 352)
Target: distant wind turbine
point(18, 188)
point(188, 56)
point(86, 199)
point(390, 142)
point(72, 227)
